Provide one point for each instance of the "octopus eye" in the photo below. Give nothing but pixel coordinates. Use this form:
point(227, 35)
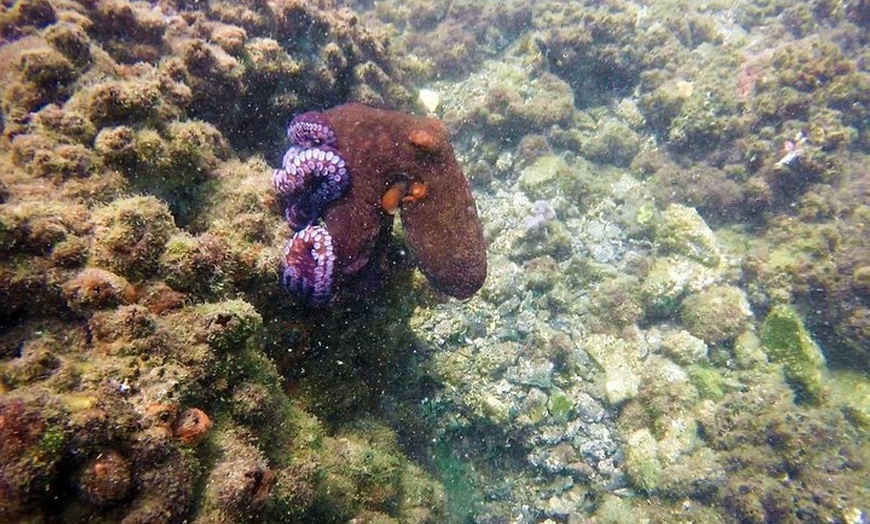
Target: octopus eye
point(393, 197)
point(416, 193)
point(400, 194)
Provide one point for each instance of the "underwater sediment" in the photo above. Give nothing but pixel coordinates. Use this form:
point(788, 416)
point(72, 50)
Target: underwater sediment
point(673, 326)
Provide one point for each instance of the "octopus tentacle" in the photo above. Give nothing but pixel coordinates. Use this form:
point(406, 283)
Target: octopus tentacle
point(311, 129)
point(312, 173)
point(308, 264)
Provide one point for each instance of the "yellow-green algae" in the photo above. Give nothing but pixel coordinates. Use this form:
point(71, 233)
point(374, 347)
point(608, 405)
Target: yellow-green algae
point(787, 342)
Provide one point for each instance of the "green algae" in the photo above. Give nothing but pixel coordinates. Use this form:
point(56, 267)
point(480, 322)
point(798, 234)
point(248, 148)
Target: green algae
point(709, 381)
point(641, 460)
point(130, 235)
point(559, 405)
point(787, 342)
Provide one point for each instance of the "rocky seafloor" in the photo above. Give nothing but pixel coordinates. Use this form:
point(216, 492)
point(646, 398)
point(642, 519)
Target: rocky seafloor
point(675, 326)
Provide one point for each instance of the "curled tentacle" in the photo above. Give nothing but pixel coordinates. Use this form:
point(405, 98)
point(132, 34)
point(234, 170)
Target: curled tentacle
point(308, 265)
point(311, 129)
point(308, 180)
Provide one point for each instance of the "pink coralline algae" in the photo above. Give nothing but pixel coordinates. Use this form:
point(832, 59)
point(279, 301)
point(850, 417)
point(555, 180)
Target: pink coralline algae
point(347, 172)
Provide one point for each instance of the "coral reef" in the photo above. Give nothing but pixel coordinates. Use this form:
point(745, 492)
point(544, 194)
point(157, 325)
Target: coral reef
point(685, 179)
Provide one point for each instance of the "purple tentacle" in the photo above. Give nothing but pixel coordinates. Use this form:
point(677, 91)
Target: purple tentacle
point(311, 129)
point(308, 265)
point(309, 180)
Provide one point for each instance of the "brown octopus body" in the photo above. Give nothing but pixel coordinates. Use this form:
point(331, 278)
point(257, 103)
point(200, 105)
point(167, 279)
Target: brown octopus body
point(403, 162)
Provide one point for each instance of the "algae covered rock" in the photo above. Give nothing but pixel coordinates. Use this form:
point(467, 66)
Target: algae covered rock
point(202, 265)
point(510, 100)
point(851, 391)
point(106, 479)
point(363, 470)
point(709, 382)
point(668, 281)
point(241, 480)
point(543, 178)
point(642, 464)
point(41, 227)
point(716, 314)
point(684, 348)
point(228, 326)
point(787, 342)
point(130, 235)
point(619, 360)
point(683, 231)
point(71, 40)
point(614, 143)
point(665, 388)
point(94, 288)
point(32, 436)
point(617, 301)
point(617, 510)
point(748, 351)
point(45, 66)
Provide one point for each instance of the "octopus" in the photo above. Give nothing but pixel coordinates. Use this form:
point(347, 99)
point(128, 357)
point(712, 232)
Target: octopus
point(349, 172)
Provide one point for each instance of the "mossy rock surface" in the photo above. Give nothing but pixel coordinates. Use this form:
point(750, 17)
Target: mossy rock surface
point(786, 341)
point(541, 180)
point(642, 464)
point(716, 314)
point(684, 232)
point(130, 235)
